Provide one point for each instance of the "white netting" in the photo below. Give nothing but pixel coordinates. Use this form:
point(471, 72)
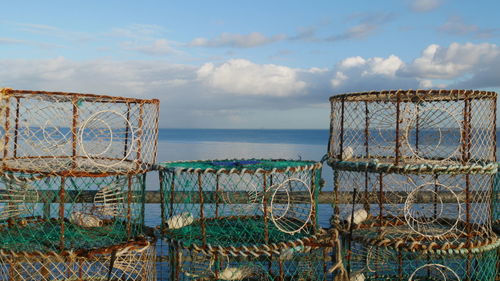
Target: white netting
point(418, 209)
point(128, 262)
point(73, 134)
point(411, 127)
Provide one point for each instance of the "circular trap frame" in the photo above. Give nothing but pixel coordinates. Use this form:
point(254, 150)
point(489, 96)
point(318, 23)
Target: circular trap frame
point(298, 259)
point(133, 260)
point(52, 213)
point(372, 262)
point(401, 127)
point(415, 207)
point(72, 134)
point(265, 199)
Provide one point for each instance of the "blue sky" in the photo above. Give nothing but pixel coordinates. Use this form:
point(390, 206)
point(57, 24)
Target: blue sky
point(248, 64)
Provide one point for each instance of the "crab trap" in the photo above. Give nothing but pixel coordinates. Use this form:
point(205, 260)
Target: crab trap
point(413, 127)
point(422, 209)
point(301, 259)
point(236, 203)
point(133, 260)
point(367, 261)
point(76, 134)
point(40, 213)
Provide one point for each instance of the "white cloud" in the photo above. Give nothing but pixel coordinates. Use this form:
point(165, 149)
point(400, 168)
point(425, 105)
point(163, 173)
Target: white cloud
point(242, 77)
point(373, 66)
point(451, 62)
point(425, 84)
point(222, 90)
point(249, 40)
point(338, 79)
point(352, 62)
point(368, 74)
point(386, 67)
point(425, 5)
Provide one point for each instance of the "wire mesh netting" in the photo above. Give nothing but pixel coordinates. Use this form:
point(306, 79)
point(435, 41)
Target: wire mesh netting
point(39, 213)
point(309, 259)
point(134, 260)
point(416, 211)
point(370, 262)
point(239, 202)
point(73, 134)
point(411, 127)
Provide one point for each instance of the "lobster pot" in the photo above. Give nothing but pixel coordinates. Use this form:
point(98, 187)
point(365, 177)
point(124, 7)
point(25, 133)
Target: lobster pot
point(411, 127)
point(52, 213)
point(134, 260)
point(239, 202)
point(426, 206)
point(305, 259)
point(76, 134)
point(370, 262)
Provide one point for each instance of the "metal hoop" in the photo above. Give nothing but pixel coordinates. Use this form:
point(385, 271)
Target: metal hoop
point(91, 157)
point(408, 203)
point(273, 203)
point(438, 267)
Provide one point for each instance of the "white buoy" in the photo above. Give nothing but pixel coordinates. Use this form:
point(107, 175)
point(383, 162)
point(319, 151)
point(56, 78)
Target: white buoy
point(359, 216)
point(347, 153)
point(357, 277)
point(85, 220)
point(179, 221)
point(235, 273)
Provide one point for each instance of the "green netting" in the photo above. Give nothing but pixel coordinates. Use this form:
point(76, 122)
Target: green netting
point(380, 263)
point(213, 206)
point(414, 209)
point(239, 164)
point(293, 263)
point(69, 213)
point(233, 231)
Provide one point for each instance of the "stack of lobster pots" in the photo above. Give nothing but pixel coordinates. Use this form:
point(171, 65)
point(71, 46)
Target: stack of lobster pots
point(244, 219)
point(413, 177)
point(72, 175)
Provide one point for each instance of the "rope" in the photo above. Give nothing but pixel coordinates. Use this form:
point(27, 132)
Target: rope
point(377, 167)
point(254, 250)
point(302, 165)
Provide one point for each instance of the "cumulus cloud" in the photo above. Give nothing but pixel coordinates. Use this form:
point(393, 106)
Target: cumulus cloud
point(237, 40)
point(357, 73)
point(242, 77)
point(425, 5)
point(450, 62)
point(223, 94)
point(456, 26)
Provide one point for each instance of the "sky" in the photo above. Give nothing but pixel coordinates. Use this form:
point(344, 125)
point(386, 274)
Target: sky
point(248, 64)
